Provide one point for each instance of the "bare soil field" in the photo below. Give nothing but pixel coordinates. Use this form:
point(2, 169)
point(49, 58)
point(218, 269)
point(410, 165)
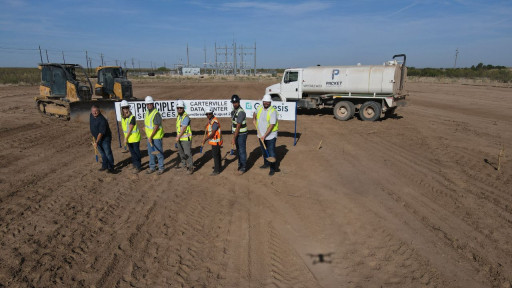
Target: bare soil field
point(414, 200)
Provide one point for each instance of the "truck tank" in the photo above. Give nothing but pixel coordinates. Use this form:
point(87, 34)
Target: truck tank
point(379, 79)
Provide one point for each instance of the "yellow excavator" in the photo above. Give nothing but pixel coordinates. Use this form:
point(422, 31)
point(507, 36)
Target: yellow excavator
point(66, 92)
point(113, 83)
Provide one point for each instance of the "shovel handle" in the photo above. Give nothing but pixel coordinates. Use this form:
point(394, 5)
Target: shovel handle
point(95, 149)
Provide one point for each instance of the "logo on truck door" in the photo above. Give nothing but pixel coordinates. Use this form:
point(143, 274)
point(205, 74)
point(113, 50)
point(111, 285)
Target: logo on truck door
point(335, 72)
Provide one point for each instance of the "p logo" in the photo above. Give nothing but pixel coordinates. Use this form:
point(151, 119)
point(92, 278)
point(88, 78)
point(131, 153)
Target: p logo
point(335, 72)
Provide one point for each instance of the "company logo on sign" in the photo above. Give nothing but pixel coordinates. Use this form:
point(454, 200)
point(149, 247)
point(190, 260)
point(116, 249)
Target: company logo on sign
point(248, 106)
point(335, 72)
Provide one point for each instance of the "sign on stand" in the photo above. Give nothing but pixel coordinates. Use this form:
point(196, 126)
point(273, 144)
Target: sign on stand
point(286, 111)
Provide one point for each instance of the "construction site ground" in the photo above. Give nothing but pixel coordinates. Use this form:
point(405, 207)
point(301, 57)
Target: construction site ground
point(412, 200)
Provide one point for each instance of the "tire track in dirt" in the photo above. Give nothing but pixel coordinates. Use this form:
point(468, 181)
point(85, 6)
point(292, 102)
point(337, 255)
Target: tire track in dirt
point(444, 189)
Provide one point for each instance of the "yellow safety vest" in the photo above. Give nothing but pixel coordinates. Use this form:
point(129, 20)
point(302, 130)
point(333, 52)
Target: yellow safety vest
point(135, 135)
point(243, 127)
point(269, 111)
point(148, 123)
point(187, 136)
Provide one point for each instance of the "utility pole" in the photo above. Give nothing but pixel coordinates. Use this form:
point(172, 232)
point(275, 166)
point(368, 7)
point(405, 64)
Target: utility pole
point(87, 60)
point(47, 60)
point(40, 54)
point(63, 59)
point(456, 55)
point(216, 66)
point(124, 64)
point(204, 58)
point(188, 63)
point(254, 58)
point(101, 59)
point(234, 58)
point(133, 66)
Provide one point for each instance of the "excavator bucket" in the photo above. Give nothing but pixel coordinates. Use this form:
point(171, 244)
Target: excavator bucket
point(80, 111)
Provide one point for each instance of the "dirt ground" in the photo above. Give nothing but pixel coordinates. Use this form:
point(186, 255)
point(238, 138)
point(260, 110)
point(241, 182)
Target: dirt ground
point(414, 200)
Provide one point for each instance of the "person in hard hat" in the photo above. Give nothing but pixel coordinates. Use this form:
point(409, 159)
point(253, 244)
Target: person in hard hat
point(265, 119)
point(155, 133)
point(131, 135)
point(239, 129)
point(184, 138)
point(102, 138)
point(214, 138)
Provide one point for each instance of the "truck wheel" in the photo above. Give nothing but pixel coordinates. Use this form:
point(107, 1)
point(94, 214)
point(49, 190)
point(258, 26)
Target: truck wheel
point(344, 110)
point(370, 111)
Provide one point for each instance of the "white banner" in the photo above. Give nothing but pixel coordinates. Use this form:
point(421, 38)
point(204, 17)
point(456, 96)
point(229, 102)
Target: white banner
point(195, 108)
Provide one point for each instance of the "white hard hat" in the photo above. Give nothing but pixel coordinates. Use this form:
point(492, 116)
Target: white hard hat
point(208, 110)
point(149, 100)
point(124, 103)
point(266, 98)
point(180, 103)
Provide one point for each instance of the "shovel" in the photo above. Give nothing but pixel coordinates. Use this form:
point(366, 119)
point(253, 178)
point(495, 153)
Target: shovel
point(95, 149)
point(156, 152)
point(269, 159)
point(201, 149)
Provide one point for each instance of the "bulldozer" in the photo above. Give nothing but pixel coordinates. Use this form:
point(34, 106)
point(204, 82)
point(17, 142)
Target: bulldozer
point(113, 83)
point(65, 92)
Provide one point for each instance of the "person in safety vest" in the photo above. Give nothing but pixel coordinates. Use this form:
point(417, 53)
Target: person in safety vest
point(131, 135)
point(155, 133)
point(265, 119)
point(214, 138)
point(102, 138)
point(184, 138)
point(239, 129)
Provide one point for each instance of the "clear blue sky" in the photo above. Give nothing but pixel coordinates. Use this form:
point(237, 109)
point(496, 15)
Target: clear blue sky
point(287, 33)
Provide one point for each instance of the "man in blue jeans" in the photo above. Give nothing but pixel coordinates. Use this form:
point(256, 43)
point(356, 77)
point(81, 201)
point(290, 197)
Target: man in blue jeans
point(155, 132)
point(102, 138)
point(267, 126)
point(239, 129)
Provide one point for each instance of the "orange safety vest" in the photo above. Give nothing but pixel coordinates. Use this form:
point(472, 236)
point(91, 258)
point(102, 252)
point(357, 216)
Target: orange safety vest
point(217, 138)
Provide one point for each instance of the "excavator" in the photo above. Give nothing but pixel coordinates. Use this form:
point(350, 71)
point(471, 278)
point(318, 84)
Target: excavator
point(65, 92)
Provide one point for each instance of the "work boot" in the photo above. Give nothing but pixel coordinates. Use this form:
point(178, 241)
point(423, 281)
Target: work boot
point(102, 169)
point(214, 173)
point(271, 173)
point(136, 170)
point(160, 171)
point(190, 171)
point(240, 172)
point(264, 166)
point(149, 171)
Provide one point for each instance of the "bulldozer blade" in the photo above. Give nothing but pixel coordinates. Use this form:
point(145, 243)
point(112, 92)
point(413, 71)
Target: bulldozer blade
point(80, 111)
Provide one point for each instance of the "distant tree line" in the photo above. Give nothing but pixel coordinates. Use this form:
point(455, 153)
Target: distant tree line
point(497, 73)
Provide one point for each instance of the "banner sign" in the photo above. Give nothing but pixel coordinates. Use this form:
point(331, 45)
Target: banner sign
point(196, 108)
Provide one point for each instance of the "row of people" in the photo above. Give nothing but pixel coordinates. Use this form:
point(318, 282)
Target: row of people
point(264, 119)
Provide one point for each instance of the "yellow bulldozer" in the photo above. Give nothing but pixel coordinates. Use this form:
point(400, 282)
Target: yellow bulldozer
point(66, 91)
point(113, 83)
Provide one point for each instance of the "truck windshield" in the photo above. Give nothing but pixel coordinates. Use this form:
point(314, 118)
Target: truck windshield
point(291, 76)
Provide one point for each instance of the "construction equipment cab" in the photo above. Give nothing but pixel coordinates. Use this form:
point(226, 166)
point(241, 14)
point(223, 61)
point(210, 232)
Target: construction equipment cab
point(60, 86)
point(112, 83)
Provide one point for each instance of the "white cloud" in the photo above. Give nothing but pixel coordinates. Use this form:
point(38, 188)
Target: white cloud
point(278, 7)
